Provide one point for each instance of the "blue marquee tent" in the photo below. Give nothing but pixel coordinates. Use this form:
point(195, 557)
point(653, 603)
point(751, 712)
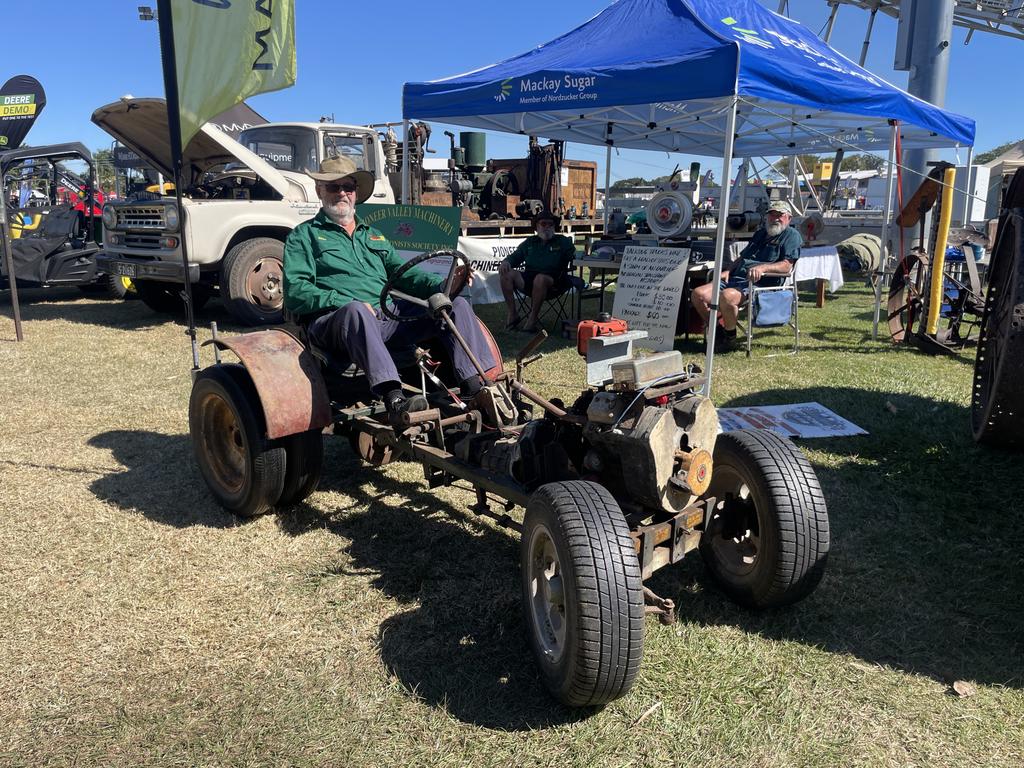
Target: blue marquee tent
point(701, 77)
point(662, 74)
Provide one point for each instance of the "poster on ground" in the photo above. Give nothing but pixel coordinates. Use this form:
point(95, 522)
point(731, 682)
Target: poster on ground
point(799, 420)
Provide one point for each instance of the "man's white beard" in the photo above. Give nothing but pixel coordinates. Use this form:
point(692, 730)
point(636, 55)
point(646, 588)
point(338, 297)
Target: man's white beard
point(775, 228)
point(341, 213)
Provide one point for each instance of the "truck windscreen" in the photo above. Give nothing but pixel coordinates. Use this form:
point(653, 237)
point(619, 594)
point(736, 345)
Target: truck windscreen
point(285, 148)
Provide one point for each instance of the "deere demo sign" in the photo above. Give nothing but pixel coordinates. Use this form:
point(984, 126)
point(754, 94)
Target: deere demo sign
point(21, 100)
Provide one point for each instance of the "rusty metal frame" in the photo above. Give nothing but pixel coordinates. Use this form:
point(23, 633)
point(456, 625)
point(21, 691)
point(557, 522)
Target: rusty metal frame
point(287, 378)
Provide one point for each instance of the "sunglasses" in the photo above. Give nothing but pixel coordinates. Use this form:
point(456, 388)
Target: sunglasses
point(340, 186)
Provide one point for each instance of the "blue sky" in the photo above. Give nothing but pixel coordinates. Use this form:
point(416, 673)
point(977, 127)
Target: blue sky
point(354, 57)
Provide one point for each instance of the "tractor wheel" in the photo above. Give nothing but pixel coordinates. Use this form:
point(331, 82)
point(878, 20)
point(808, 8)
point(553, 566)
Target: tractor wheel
point(767, 541)
point(304, 460)
point(582, 593)
point(251, 281)
point(244, 471)
point(997, 405)
point(165, 298)
point(119, 287)
point(906, 297)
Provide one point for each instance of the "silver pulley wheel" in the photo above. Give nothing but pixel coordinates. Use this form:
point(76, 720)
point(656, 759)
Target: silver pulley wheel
point(669, 214)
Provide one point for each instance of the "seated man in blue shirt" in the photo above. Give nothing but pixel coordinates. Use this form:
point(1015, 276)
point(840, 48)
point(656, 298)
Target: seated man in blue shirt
point(771, 254)
point(335, 268)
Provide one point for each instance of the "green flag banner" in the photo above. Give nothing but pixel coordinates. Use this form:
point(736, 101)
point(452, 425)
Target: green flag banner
point(227, 50)
point(414, 228)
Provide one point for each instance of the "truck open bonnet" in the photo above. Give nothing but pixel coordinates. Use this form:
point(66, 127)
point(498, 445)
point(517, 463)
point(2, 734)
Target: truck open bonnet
point(141, 125)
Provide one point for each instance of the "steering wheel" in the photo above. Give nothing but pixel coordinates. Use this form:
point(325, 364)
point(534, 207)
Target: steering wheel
point(456, 280)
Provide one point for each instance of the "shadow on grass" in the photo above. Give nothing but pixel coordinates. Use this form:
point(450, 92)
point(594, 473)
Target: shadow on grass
point(925, 572)
point(459, 641)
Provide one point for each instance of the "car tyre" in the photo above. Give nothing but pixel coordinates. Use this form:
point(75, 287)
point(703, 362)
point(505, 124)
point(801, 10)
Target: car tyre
point(251, 281)
point(582, 593)
point(767, 542)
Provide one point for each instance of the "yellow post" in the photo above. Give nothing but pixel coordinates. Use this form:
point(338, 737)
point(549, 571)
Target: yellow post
point(939, 262)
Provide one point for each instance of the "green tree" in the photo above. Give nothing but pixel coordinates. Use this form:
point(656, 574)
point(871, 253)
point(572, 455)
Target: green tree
point(862, 162)
point(104, 169)
point(635, 181)
point(992, 154)
point(808, 162)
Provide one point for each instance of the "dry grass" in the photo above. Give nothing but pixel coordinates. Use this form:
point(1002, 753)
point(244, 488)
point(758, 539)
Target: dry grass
point(378, 624)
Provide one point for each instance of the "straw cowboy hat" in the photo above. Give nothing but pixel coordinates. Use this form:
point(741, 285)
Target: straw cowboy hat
point(338, 168)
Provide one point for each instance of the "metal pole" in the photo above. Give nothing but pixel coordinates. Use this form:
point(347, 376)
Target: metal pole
point(867, 36)
point(12, 282)
point(607, 184)
point(969, 188)
point(883, 254)
point(406, 181)
point(931, 29)
point(723, 214)
point(170, 68)
point(831, 23)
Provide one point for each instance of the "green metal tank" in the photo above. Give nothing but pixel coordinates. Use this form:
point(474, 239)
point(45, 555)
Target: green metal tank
point(475, 144)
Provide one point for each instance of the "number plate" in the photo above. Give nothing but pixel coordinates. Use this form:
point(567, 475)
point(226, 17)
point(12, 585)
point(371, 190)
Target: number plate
point(125, 270)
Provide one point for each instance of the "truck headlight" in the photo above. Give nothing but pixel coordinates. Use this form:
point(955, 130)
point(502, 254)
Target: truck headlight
point(171, 220)
point(109, 216)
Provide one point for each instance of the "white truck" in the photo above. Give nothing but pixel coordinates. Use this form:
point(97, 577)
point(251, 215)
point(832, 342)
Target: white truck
point(240, 200)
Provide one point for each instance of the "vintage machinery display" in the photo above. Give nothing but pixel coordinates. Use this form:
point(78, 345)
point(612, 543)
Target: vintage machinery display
point(628, 478)
point(490, 189)
point(925, 292)
point(997, 402)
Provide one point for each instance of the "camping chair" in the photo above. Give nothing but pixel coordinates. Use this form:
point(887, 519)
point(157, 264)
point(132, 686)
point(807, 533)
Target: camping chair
point(772, 306)
point(558, 305)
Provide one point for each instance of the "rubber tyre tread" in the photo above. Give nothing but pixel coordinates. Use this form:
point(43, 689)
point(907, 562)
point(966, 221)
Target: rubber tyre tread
point(604, 593)
point(234, 273)
point(265, 469)
point(304, 460)
point(997, 400)
point(792, 515)
point(163, 298)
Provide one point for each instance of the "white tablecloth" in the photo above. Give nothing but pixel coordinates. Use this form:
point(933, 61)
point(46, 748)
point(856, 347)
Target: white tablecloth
point(820, 263)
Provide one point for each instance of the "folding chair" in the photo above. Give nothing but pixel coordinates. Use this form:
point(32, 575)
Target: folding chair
point(558, 305)
point(773, 306)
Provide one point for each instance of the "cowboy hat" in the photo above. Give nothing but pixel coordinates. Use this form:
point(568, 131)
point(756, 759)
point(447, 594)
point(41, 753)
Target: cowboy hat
point(338, 168)
point(543, 214)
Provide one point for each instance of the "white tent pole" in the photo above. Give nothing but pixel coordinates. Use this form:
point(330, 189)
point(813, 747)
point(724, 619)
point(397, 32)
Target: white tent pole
point(406, 181)
point(607, 184)
point(723, 215)
point(969, 190)
point(883, 252)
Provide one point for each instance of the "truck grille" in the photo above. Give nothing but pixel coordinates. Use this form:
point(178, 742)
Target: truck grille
point(141, 217)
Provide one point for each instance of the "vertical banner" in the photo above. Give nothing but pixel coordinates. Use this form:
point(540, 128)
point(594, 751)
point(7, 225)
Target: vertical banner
point(227, 50)
point(21, 100)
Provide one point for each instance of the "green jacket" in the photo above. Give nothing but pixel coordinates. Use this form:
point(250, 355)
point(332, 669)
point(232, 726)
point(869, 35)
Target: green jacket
point(551, 258)
point(325, 269)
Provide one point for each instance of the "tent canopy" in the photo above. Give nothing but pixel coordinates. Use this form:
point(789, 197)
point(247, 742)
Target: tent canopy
point(663, 74)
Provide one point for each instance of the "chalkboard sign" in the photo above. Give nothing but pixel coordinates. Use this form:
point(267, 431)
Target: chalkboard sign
point(648, 291)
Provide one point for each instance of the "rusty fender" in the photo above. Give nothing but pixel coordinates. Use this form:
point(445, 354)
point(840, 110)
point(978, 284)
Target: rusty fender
point(287, 378)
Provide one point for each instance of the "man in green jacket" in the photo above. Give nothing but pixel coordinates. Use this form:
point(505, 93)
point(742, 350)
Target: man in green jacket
point(547, 258)
point(334, 270)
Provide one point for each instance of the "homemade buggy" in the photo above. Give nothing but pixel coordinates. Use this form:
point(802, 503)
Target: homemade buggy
point(628, 478)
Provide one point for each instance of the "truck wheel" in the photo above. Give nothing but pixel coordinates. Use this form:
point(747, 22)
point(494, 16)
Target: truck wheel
point(251, 281)
point(767, 540)
point(304, 459)
point(165, 298)
point(582, 593)
point(244, 471)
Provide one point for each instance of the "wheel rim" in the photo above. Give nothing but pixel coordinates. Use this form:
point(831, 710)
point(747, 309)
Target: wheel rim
point(735, 530)
point(224, 442)
point(547, 594)
point(263, 284)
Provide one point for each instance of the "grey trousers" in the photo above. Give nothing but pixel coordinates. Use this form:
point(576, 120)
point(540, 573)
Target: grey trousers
point(360, 334)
